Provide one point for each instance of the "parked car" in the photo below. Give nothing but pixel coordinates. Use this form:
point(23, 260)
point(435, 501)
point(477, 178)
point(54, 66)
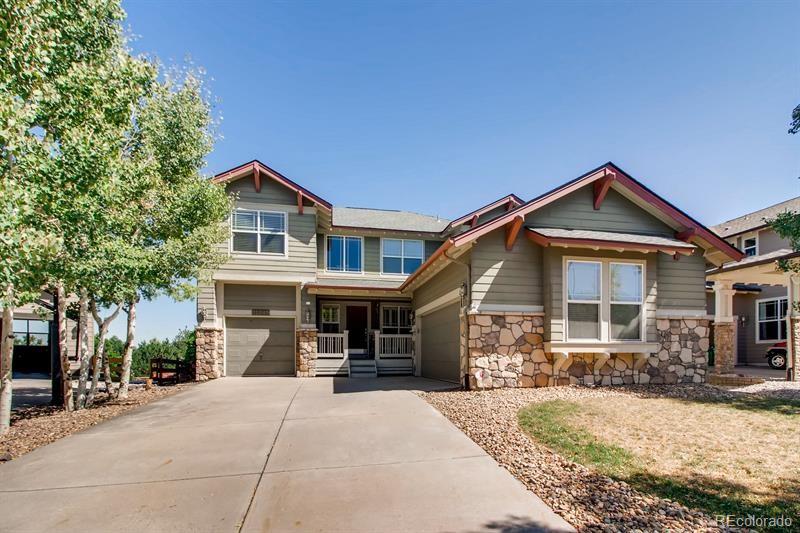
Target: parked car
point(776, 356)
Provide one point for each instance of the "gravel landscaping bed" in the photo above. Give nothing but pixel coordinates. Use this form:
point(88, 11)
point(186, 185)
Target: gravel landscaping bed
point(32, 427)
point(588, 500)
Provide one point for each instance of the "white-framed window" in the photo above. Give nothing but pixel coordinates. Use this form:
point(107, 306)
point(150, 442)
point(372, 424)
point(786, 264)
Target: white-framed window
point(344, 254)
point(330, 318)
point(401, 256)
point(626, 301)
point(260, 232)
point(584, 299)
point(771, 319)
point(395, 319)
point(750, 246)
point(604, 300)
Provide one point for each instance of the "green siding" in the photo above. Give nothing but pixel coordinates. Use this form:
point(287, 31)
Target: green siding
point(451, 277)
point(247, 297)
point(506, 277)
point(682, 283)
point(617, 213)
point(206, 299)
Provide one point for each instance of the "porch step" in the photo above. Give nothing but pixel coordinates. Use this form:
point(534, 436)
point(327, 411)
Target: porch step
point(363, 368)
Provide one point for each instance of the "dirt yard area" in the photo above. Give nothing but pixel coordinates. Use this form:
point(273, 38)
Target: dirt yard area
point(645, 458)
point(32, 427)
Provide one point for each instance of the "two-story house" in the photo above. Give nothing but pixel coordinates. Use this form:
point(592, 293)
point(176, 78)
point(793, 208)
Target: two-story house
point(597, 281)
point(760, 300)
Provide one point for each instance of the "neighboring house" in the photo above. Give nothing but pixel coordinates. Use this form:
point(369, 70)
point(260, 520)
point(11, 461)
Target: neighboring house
point(597, 281)
point(34, 335)
point(759, 305)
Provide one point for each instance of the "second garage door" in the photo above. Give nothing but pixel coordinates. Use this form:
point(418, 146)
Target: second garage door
point(440, 344)
point(259, 346)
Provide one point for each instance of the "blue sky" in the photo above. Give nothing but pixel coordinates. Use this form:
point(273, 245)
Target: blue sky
point(372, 103)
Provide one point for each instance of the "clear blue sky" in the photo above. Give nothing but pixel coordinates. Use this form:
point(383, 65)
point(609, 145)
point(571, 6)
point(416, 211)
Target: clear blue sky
point(439, 107)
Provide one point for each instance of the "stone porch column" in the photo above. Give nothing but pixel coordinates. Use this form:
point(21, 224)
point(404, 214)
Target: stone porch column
point(306, 353)
point(723, 327)
point(209, 346)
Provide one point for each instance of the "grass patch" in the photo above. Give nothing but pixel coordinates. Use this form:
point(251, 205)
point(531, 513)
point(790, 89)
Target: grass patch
point(694, 479)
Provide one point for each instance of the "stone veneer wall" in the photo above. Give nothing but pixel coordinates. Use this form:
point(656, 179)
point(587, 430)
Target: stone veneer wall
point(209, 346)
point(723, 347)
point(306, 353)
point(507, 350)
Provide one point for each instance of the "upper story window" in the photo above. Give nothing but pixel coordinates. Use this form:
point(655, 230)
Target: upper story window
point(771, 319)
point(590, 301)
point(401, 256)
point(395, 319)
point(750, 246)
point(344, 254)
point(262, 232)
point(31, 332)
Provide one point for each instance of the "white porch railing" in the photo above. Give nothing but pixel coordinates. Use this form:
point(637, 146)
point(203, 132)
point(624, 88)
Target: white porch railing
point(392, 345)
point(332, 345)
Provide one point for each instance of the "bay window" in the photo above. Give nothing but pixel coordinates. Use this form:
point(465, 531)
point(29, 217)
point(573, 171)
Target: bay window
point(604, 300)
point(343, 254)
point(261, 232)
point(401, 256)
point(771, 319)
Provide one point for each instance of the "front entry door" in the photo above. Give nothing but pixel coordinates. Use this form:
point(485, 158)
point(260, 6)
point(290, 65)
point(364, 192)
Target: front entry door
point(357, 328)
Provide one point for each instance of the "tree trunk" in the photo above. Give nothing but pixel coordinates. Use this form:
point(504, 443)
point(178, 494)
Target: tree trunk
point(127, 354)
point(85, 328)
point(6, 355)
point(100, 358)
point(66, 378)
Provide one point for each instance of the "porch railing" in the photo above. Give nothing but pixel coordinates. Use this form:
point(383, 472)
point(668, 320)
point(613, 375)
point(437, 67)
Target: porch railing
point(332, 345)
point(392, 345)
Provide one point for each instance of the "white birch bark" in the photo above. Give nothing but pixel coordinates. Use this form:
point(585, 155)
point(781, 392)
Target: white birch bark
point(85, 328)
point(127, 354)
point(6, 354)
point(66, 378)
point(100, 358)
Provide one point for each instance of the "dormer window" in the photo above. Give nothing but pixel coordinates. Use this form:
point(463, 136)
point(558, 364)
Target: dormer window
point(750, 246)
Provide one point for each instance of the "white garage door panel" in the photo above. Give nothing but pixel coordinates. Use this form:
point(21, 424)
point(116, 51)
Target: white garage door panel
point(259, 346)
point(440, 344)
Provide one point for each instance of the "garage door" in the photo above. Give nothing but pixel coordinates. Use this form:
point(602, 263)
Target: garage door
point(440, 344)
point(259, 346)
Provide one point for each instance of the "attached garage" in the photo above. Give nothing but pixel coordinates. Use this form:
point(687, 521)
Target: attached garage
point(259, 346)
point(440, 344)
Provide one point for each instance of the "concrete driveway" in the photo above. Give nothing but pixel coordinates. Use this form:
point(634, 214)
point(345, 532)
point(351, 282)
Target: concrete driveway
point(272, 454)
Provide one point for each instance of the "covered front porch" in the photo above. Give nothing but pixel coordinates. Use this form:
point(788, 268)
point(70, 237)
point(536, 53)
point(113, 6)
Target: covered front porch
point(762, 271)
point(362, 333)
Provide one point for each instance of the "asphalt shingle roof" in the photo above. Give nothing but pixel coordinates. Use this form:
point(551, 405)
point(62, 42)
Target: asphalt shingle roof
point(361, 217)
point(633, 238)
point(755, 219)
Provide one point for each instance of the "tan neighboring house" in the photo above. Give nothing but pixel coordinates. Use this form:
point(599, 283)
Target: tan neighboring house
point(599, 281)
point(760, 298)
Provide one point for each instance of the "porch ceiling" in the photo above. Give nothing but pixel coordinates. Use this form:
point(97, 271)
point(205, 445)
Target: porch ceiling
point(759, 270)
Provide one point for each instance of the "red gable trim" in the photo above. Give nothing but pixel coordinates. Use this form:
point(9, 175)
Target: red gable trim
point(511, 199)
point(256, 168)
point(622, 178)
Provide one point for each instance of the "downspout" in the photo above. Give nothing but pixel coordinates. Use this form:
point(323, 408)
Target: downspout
point(467, 304)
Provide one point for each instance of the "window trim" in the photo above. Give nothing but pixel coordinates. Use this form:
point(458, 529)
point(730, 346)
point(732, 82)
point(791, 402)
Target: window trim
point(757, 321)
point(343, 272)
point(401, 256)
point(338, 316)
point(258, 233)
point(605, 299)
point(399, 306)
point(27, 333)
point(753, 236)
point(640, 303)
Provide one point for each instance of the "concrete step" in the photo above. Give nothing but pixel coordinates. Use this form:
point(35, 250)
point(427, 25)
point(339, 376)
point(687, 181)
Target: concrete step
point(363, 368)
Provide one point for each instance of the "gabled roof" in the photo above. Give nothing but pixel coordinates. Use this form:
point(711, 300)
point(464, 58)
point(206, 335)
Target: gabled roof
point(510, 200)
point(256, 169)
point(602, 178)
point(756, 219)
point(385, 219)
